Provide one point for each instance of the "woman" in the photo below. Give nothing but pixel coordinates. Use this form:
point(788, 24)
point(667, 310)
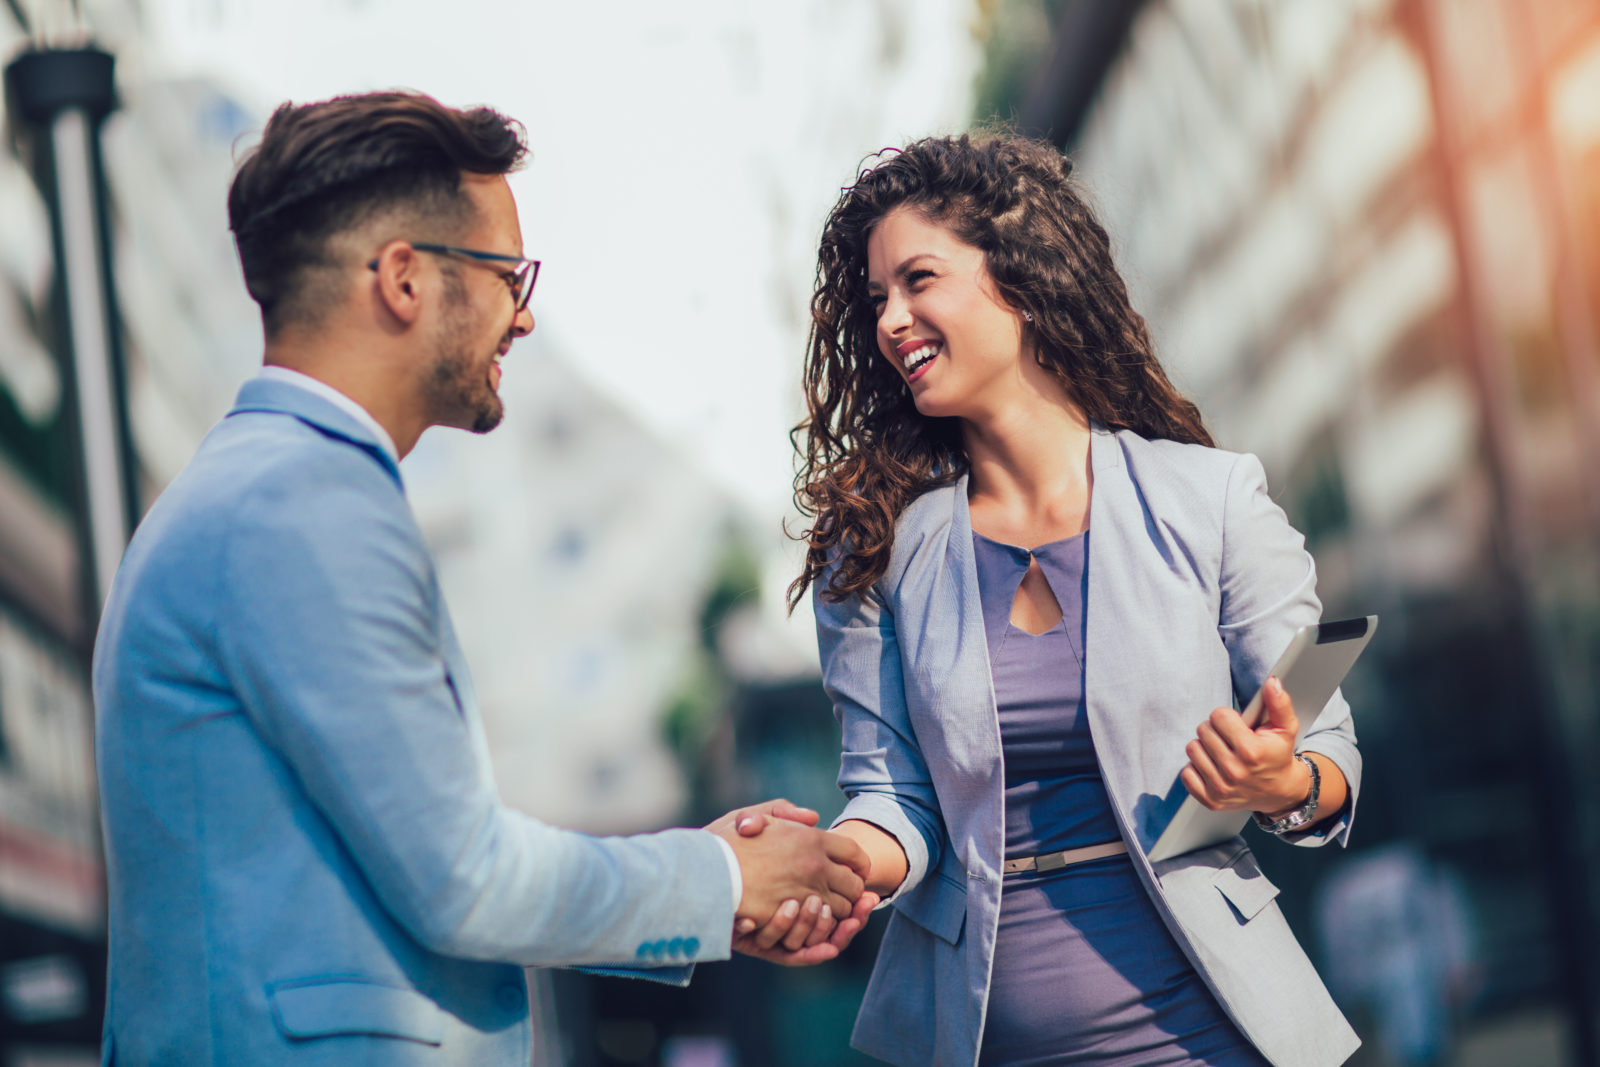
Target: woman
point(1016, 705)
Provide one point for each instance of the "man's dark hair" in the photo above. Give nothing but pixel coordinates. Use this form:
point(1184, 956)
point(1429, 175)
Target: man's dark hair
point(325, 168)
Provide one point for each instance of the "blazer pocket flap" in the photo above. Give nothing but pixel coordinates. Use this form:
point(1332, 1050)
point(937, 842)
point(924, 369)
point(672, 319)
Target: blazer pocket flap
point(938, 905)
point(329, 1007)
point(1245, 887)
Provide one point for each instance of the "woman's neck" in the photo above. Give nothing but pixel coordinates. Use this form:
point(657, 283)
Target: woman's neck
point(1030, 479)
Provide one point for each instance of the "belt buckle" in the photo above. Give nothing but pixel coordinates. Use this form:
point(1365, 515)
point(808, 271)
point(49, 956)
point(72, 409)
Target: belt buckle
point(1053, 862)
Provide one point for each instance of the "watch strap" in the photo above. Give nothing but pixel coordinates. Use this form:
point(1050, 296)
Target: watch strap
point(1300, 817)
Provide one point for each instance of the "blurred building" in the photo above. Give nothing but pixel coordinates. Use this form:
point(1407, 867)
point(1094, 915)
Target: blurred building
point(184, 336)
point(1365, 237)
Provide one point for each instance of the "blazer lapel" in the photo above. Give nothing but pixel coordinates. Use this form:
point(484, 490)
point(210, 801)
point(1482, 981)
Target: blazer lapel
point(1128, 670)
point(971, 675)
point(950, 690)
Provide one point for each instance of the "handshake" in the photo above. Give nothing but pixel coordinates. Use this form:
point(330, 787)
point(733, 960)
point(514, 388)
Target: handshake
point(805, 890)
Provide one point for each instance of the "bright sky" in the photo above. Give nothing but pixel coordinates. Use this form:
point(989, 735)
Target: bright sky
point(683, 158)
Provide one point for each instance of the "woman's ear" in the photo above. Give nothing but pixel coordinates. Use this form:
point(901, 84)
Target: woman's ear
point(397, 282)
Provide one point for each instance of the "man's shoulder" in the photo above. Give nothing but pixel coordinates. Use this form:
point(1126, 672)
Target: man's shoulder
point(270, 474)
point(260, 461)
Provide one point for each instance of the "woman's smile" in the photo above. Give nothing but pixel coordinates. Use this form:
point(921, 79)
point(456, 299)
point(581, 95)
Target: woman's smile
point(915, 355)
point(940, 321)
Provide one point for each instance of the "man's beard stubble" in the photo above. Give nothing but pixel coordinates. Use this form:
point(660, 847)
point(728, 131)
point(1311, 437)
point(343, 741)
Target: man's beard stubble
point(459, 392)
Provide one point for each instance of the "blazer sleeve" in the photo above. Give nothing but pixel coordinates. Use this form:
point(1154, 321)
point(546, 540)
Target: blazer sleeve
point(881, 766)
point(1269, 590)
point(329, 625)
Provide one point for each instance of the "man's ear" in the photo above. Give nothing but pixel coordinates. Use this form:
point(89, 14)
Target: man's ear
point(397, 281)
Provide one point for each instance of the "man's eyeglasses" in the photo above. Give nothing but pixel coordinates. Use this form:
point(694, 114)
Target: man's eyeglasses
point(520, 277)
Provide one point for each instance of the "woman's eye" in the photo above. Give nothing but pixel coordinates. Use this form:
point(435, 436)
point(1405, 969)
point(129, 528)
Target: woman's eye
point(916, 277)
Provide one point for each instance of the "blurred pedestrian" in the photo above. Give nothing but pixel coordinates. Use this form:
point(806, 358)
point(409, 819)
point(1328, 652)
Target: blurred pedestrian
point(1017, 706)
point(1398, 936)
point(307, 858)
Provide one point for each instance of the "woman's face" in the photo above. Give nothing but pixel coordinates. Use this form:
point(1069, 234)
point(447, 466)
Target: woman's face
point(940, 320)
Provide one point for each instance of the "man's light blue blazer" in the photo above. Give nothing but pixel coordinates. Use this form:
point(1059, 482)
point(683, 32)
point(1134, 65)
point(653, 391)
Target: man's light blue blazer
point(307, 859)
point(1196, 583)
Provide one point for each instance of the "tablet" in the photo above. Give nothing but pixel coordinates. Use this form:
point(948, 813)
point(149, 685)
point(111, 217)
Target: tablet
point(1311, 668)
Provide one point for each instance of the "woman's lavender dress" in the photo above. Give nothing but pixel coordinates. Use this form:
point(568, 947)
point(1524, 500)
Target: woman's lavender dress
point(1084, 970)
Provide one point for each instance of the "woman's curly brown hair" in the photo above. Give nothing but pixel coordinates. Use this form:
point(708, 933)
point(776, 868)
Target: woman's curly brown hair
point(868, 452)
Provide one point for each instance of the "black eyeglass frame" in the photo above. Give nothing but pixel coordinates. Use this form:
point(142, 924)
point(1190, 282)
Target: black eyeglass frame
point(526, 271)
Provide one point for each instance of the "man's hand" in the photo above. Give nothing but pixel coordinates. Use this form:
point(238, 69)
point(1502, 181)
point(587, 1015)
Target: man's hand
point(750, 821)
point(1234, 768)
point(788, 860)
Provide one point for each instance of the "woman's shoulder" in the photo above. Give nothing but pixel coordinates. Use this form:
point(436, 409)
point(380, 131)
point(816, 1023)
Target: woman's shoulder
point(1200, 486)
point(1180, 462)
point(924, 524)
point(933, 506)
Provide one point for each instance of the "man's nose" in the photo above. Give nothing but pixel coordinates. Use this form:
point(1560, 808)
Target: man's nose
point(522, 325)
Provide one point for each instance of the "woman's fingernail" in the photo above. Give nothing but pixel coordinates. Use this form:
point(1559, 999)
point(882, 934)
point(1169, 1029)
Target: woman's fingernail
point(746, 925)
point(790, 909)
point(813, 905)
point(827, 912)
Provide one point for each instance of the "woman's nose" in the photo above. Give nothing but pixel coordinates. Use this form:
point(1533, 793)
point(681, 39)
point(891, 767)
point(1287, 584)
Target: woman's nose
point(894, 316)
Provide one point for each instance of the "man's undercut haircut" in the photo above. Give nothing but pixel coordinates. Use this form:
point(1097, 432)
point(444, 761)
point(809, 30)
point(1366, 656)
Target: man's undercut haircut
point(326, 168)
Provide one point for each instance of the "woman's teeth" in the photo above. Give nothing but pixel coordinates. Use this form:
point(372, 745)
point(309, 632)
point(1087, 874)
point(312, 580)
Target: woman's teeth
point(915, 359)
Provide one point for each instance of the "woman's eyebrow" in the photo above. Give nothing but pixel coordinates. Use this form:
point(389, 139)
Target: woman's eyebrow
point(905, 267)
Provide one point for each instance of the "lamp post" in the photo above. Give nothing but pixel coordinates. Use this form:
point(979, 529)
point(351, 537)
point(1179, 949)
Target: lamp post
point(60, 97)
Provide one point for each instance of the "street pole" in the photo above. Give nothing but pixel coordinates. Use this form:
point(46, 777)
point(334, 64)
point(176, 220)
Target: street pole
point(61, 98)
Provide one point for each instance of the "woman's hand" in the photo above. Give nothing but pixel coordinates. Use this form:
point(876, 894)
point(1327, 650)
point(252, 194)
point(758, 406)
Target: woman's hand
point(800, 933)
point(1235, 768)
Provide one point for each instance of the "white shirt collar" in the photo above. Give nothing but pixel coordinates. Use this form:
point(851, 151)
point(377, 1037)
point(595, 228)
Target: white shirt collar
point(336, 398)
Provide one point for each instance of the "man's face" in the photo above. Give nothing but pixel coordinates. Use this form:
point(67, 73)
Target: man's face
point(479, 320)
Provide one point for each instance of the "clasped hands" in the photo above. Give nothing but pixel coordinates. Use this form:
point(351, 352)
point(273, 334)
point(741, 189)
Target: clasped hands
point(805, 894)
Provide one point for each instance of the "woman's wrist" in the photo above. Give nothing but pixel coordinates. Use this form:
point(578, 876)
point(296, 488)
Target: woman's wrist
point(1301, 817)
point(1301, 798)
point(889, 864)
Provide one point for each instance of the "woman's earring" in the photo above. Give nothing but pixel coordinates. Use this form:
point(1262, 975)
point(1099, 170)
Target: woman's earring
point(1027, 316)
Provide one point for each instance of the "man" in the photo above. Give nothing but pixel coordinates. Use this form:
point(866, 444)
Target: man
point(307, 860)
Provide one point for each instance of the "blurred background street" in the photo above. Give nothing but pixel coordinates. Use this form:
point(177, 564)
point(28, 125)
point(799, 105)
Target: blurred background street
point(1365, 233)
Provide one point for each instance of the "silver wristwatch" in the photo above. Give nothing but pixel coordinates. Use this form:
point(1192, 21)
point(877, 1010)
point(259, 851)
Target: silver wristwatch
point(1300, 817)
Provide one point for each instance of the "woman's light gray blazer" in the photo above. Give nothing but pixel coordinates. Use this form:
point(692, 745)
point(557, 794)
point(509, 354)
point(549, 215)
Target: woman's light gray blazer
point(1196, 582)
